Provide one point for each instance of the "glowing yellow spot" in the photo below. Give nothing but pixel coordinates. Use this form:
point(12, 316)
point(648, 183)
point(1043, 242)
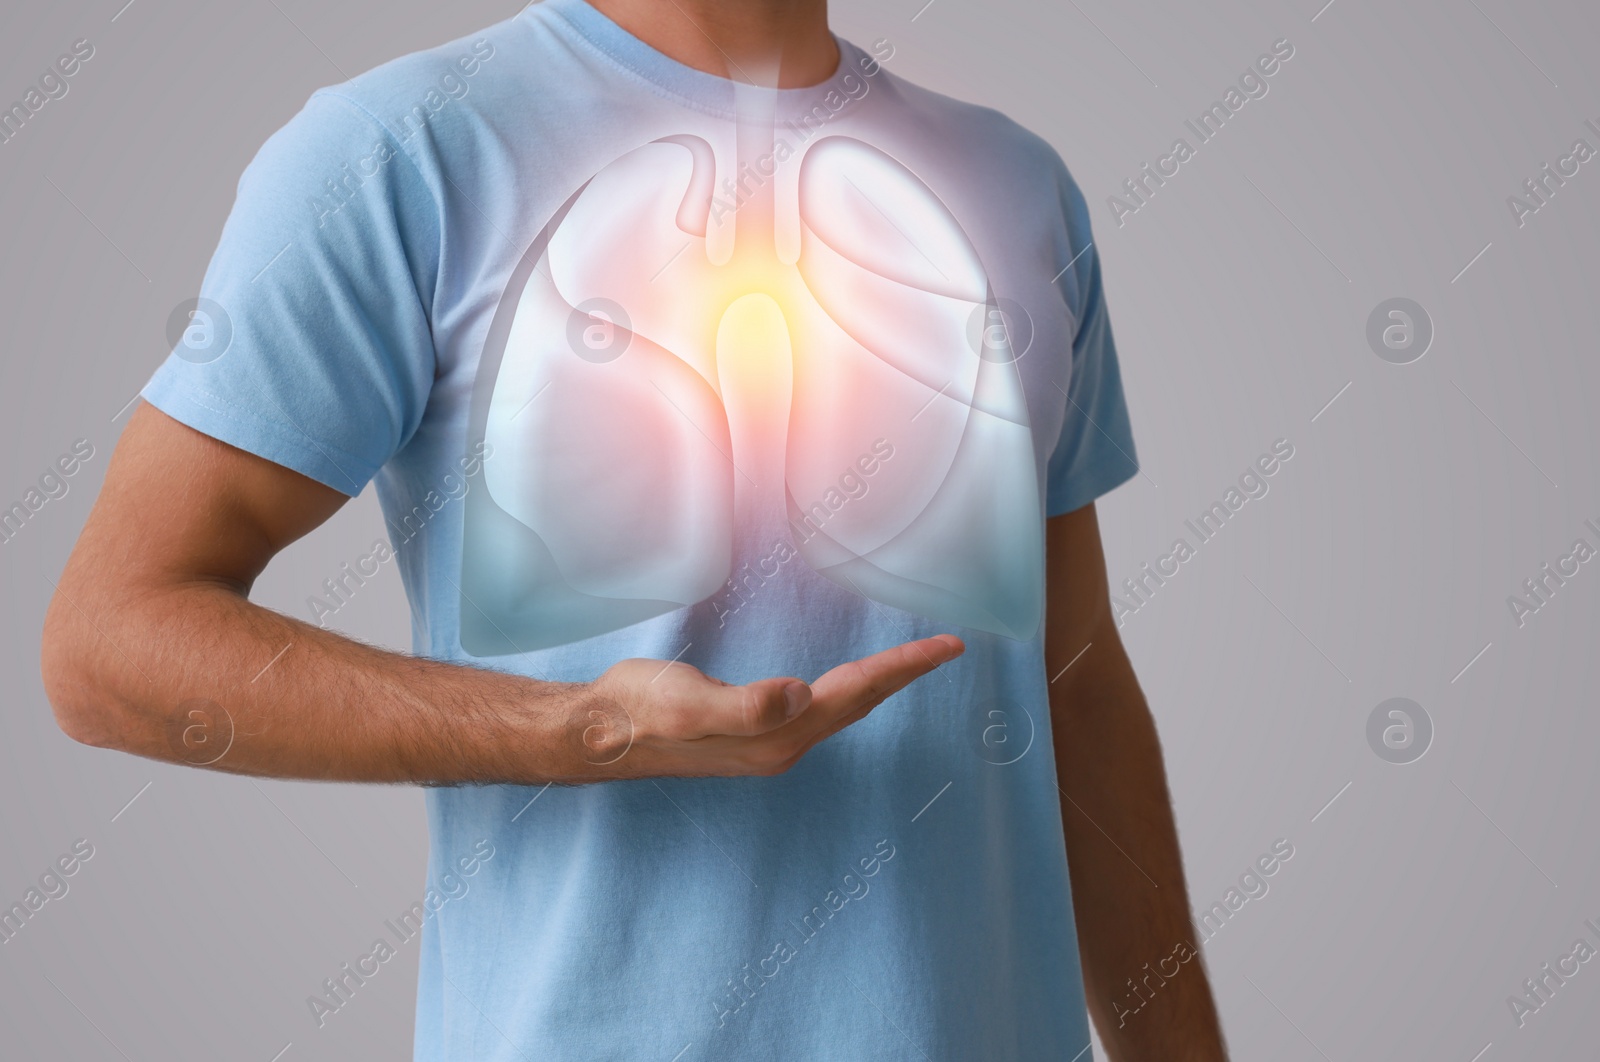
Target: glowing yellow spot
point(753, 340)
point(756, 372)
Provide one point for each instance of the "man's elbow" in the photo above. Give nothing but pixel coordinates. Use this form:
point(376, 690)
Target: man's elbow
point(85, 709)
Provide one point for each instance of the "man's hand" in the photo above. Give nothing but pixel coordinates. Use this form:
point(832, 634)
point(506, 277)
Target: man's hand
point(670, 719)
point(152, 646)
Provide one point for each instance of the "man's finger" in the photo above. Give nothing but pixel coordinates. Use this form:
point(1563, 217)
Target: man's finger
point(744, 711)
point(872, 680)
point(860, 686)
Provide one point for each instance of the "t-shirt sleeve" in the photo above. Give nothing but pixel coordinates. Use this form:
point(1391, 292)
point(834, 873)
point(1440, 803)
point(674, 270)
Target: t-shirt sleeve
point(310, 345)
point(1094, 452)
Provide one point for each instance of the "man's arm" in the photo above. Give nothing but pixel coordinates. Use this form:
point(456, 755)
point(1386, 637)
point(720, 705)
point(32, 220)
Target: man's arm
point(1128, 890)
point(152, 618)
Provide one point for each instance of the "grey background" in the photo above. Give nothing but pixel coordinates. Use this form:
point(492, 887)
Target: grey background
point(1378, 565)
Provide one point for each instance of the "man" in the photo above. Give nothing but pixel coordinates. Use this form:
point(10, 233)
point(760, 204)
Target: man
point(690, 350)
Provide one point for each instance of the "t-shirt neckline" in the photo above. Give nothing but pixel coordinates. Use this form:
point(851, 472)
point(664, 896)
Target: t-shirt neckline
point(698, 89)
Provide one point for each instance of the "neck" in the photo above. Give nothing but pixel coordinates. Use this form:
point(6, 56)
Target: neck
point(773, 43)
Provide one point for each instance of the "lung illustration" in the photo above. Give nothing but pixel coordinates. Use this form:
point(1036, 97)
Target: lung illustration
point(611, 476)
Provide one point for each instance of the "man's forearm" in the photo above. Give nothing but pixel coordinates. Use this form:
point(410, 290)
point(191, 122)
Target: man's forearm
point(192, 672)
point(1143, 974)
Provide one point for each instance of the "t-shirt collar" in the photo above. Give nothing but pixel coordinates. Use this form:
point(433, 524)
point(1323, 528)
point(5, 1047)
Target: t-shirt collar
point(703, 91)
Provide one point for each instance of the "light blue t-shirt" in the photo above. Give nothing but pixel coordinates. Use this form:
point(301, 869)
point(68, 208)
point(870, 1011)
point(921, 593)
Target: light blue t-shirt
point(647, 364)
